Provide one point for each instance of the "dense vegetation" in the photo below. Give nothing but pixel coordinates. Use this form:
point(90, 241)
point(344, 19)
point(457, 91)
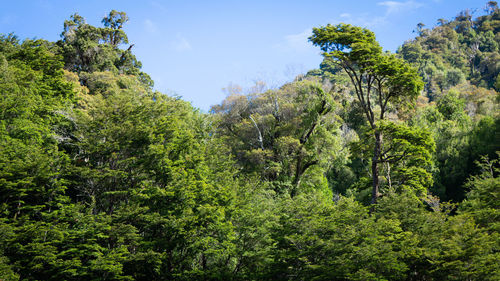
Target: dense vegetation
point(376, 166)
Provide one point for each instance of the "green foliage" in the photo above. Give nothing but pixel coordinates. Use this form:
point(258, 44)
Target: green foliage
point(465, 128)
point(288, 136)
point(451, 106)
point(345, 43)
point(69, 244)
point(321, 240)
point(6, 269)
point(120, 184)
point(406, 155)
point(378, 76)
point(437, 245)
point(464, 48)
point(254, 216)
point(101, 178)
point(34, 96)
point(414, 147)
point(87, 48)
point(382, 82)
point(143, 149)
point(482, 199)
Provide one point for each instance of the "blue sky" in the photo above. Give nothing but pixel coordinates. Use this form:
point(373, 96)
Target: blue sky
point(195, 48)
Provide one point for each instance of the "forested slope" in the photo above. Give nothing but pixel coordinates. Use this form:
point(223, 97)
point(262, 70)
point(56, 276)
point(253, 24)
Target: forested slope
point(376, 166)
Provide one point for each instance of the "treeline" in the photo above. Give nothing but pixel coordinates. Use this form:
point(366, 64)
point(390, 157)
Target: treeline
point(368, 168)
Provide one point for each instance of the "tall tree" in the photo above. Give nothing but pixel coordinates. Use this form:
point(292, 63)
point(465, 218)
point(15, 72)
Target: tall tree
point(113, 32)
point(382, 82)
point(86, 48)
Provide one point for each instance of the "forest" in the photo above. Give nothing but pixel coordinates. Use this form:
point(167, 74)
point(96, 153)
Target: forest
point(375, 166)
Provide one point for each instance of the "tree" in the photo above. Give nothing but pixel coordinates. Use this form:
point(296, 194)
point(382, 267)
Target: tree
point(420, 28)
point(283, 135)
point(442, 21)
point(87, 48)
point(491, 7)
point(34, 97)
point(437, 245)
point(114, 23)
point(407, 157)
point(382, 82)
point(317, 239)
point(147, 161)
point(482, 200)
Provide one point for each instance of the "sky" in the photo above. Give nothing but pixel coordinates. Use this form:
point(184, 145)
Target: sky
point(194, 49)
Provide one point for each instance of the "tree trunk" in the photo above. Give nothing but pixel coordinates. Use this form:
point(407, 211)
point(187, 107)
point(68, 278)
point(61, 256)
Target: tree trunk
point(376, 156)
point(296, 178)
point(300, 169)
point(389, 181)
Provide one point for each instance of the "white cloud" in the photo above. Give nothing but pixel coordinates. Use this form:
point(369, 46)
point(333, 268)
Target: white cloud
point(364, 20)
point(398, 7)
point(181, 44)
point(150, 26)
point(370, 21)
point(298, 42)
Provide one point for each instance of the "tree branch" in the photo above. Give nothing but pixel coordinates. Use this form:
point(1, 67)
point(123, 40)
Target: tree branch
point(261, 140)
